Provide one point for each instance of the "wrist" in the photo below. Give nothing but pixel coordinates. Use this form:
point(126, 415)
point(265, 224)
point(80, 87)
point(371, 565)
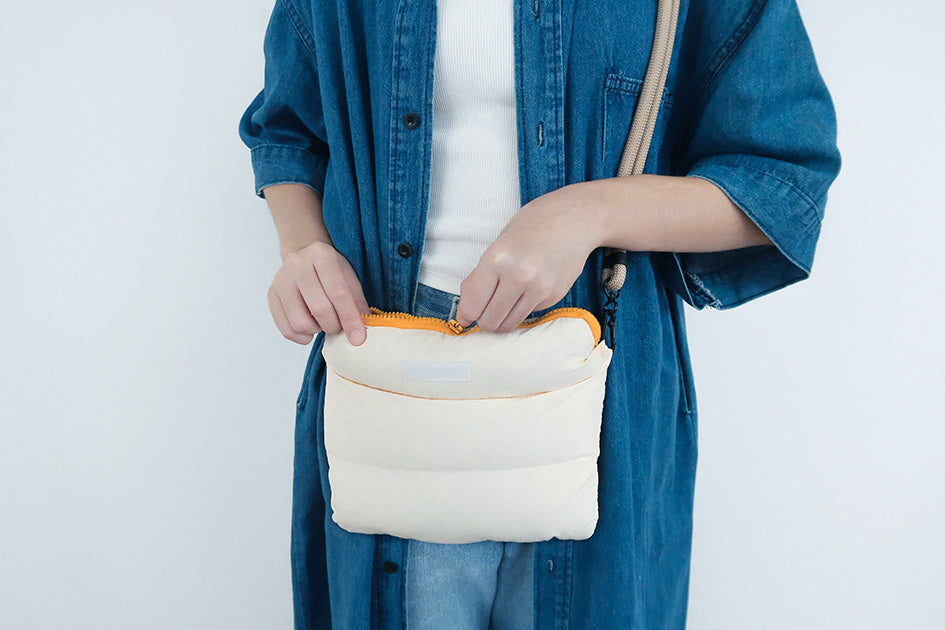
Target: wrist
point(604, 208)
point(293, 246)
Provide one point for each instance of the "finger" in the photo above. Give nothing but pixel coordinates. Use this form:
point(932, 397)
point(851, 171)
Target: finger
point(357, 290)
point(315, 303)
point(518, 313)
point(311, 291)
point(505, 297)
point(286, 286)
point(335, 284)
point(282, 321)
point(548, 302)
point(543, 294)
point(474, 293)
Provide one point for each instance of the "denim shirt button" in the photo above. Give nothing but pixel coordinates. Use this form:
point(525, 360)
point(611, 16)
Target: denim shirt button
point(390, 567)
point(411, 120)
point(405, 250)
point(551, 566)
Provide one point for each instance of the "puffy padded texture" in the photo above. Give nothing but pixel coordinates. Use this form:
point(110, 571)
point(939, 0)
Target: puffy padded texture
point(503, 448)
point(547, 356)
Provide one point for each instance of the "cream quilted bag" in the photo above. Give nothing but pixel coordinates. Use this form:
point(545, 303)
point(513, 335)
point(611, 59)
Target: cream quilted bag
point(453, 436)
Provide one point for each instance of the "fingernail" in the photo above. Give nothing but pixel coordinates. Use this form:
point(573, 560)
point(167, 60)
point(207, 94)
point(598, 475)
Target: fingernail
point(357, 337)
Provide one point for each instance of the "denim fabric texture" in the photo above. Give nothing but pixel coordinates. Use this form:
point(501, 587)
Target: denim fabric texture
point(474, 586)
point(345, 108)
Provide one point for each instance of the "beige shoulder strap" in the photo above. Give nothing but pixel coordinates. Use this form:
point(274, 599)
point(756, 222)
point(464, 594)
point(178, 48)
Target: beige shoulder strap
point(644, 121)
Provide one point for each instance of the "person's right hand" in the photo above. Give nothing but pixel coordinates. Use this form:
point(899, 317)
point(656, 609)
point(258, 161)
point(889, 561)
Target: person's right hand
point(317, 290)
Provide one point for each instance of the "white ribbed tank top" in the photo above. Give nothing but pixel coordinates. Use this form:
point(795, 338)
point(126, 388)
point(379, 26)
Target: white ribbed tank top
point(474, 185)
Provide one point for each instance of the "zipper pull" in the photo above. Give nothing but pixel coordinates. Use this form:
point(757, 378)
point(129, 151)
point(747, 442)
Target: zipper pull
point(455, 326)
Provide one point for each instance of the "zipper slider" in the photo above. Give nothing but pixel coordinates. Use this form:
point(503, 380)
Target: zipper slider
point(455, 326)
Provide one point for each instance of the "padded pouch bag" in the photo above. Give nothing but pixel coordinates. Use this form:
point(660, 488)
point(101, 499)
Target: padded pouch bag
point(454, 436)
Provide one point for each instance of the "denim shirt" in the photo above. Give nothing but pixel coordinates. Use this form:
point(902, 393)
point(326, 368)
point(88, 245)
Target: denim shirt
point(346, 108)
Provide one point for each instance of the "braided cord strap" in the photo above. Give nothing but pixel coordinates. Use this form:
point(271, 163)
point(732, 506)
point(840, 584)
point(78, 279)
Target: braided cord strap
point(637, 147)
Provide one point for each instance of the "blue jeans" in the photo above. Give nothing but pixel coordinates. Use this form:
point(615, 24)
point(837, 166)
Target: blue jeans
point(485, 585)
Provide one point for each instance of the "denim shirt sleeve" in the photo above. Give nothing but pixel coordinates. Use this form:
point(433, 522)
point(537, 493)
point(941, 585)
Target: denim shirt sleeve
point(284, 126)
point(760, 124)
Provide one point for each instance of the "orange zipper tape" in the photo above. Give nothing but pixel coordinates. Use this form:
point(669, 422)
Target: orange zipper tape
point(397, 319)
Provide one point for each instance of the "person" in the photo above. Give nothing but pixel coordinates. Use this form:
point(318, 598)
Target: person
point(458, 160)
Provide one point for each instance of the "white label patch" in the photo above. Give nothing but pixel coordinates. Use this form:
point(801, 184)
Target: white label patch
point(437, 371)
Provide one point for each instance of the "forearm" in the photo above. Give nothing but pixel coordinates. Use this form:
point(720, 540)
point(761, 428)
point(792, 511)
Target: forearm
point(663, 213)
point(297, 213)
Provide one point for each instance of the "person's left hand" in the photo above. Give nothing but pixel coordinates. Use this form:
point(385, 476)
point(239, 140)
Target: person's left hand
point(532, 263)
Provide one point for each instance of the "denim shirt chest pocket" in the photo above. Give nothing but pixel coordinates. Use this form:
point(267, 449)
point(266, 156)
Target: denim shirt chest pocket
point(621, 94)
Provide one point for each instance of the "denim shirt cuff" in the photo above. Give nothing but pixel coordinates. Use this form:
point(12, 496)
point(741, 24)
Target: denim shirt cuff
point(286, 164)
point(788, 216)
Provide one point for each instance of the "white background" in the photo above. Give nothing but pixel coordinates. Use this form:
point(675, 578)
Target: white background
point(147, 398)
